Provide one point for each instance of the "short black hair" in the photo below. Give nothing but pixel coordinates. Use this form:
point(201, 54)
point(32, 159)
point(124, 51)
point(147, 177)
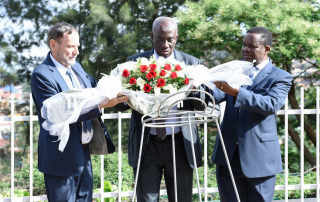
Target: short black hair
point(58, 30)
point(266, 36)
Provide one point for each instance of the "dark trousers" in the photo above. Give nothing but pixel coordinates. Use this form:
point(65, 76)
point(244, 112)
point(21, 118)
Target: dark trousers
point(249, 189)
point(158, 160)
point(71, 188)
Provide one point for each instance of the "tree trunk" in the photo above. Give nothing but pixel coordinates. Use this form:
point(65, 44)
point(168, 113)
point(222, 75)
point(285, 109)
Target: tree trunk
point(295, 105)
point(296, 139)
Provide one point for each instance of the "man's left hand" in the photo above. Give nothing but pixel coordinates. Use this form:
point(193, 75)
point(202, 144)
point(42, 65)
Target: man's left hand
point(225, 87)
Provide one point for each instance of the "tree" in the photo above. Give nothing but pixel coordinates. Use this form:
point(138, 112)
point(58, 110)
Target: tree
point(221, 25)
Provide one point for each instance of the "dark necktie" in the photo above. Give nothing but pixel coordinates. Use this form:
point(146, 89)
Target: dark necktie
point(161, 132)
point(86, 124)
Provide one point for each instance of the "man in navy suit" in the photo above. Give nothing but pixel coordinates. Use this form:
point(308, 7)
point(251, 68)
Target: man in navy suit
point(157, 151)
point(68, 174)
point(249, 125)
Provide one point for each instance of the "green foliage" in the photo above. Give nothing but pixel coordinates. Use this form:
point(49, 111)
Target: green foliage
point(221, 25)
point(293, 179)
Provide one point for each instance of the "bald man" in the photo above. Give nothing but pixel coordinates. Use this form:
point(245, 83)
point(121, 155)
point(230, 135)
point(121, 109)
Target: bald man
point(157, 151)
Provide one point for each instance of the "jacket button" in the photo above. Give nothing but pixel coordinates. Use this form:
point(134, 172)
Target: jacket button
point(236, 127)
point(79, 124)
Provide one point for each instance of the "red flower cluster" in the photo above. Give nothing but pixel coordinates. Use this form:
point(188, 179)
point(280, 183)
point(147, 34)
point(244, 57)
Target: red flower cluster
point(161, 83)
point(151, 74)
point(132, 80)
point(154, 75)
point(177, 67)
point(143, 68)
point(147, 88)
point(162, 73)
point(167, 67)
point(125, 73)
point(153, 66)
point(173, 75)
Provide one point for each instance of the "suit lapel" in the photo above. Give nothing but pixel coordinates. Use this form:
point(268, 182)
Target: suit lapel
point(261, 75)
point(149, 53)
point(56, 74)
point(178, 56)
point(82, 74)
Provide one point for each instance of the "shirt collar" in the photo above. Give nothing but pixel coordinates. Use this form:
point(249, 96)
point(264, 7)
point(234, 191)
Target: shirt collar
point(263, 64)
point(170, 58)
point(59, 66)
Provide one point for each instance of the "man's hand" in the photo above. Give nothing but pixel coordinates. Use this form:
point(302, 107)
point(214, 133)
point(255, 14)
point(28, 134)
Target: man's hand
point(223, 86)
point(110, 103)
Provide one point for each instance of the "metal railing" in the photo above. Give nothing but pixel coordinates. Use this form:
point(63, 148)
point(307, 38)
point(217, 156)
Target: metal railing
point(205, 190)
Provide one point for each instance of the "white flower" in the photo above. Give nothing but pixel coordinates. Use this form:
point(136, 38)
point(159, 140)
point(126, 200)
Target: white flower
point(182, 65)
point(167, 87)
point(161, 61)
point(180, 74)
point(157, 90)
point(126, 86)
point(168, 73)
point(172, 89)
point(140, 82)
point(144, 61)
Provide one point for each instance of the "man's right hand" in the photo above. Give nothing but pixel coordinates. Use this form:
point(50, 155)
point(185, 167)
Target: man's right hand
point(110, 103)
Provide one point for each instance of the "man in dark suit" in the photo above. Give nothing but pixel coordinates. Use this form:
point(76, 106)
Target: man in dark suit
point(157, 152)
point(68, 174)
point(249, 125)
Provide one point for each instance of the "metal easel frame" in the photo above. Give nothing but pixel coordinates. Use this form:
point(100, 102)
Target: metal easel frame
point(194, 117)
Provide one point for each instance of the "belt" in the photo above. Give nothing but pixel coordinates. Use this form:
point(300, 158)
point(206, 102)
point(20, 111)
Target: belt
point(85, 146)
point(167, 137)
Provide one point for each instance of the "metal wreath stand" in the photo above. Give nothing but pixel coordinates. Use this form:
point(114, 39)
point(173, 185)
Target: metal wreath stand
point(194, 117)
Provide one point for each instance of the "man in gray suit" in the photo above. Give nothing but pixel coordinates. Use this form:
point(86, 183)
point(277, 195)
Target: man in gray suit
point(157, 151)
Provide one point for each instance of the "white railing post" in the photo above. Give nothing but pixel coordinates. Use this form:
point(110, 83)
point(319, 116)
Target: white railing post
point(102, 168)
point(317, 138)
point(205, 138)
point(119, 156)
point(286, 170)
point(12, 147)
point(302, 142)
point(31, 147)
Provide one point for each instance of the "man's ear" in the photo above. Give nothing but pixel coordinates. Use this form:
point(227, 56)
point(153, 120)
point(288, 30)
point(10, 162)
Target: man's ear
point(151, 34)
point(267, 49)
point(53, 44)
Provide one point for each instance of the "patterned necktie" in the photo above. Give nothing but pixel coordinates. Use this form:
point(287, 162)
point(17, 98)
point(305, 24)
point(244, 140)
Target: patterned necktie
point(251, 76)
point(86, 124)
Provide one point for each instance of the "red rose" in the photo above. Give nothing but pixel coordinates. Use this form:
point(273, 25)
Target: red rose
point(147, 88)
point(125, 73)
point(167, 67)
point(173, 75)
point(162, 73)
point(153, 73)
point(143, 68)
point(148, 76)
point(161, 83)
point(132, 80)
point(178, 68)
point(186, 81)
point(153, 66)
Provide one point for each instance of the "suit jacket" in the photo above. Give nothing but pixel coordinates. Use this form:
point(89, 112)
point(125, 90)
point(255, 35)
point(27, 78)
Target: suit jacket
point(46, 81)
point(135, 128)
point(252, 118)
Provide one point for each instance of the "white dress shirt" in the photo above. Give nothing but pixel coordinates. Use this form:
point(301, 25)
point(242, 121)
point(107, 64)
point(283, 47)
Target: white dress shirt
point(169, 130)
point(260, 67)
point(86, 137)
